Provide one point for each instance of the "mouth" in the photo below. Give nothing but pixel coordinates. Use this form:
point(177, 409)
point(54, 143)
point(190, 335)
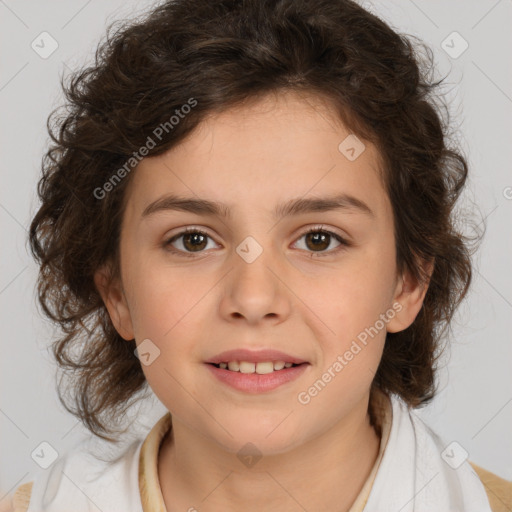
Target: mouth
point(256, 371)
point(260, 368)
point(267, 359)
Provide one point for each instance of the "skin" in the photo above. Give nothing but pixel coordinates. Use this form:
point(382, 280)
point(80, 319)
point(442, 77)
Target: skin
point(315, 456)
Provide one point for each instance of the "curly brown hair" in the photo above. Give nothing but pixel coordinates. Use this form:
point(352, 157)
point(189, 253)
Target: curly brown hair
point(221, 53)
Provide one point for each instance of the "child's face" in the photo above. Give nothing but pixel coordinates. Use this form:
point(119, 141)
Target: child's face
point(305, 297)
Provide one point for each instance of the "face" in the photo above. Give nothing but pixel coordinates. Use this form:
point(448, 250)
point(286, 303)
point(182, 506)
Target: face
point(255, 279)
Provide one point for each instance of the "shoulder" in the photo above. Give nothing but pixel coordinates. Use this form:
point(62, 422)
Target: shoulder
point(19, 501)
point(109, 482)
point(499, 490)
point(499, 493)
point(108, 475)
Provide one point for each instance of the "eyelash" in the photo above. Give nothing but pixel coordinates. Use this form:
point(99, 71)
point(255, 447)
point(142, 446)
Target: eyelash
point(344, 243)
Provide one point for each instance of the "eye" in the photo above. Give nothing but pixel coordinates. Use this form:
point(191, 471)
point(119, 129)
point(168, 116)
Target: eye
point(320, 239)
point(193, 240)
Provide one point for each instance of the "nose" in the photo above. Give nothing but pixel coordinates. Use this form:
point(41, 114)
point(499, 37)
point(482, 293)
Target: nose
point(254, 290)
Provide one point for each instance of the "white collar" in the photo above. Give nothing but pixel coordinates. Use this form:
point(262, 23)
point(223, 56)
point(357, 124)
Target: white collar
point(412, 476)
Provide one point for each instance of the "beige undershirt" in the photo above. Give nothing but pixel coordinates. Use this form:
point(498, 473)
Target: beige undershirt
point(151, 494)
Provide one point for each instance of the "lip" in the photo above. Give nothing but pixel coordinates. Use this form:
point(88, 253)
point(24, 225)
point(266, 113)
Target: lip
point(254, 383)
point(255, 356)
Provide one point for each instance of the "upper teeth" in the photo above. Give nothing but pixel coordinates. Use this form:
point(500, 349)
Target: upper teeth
point(261, 367)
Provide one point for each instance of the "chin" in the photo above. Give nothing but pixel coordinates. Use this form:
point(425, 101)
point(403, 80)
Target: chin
point(269, 438)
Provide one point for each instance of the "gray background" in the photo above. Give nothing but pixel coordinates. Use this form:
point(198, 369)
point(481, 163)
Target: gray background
point(474, 404)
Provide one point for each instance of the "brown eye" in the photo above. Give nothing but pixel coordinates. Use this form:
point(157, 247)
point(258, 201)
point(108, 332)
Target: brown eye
point(318, 240)
point(188, 241)
point(194, 241)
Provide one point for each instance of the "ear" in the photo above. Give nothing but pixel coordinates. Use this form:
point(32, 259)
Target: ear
point(409, 295)
point(115, 301)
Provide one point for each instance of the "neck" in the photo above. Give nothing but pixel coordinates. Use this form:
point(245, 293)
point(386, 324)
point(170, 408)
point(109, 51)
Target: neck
point(326, 472)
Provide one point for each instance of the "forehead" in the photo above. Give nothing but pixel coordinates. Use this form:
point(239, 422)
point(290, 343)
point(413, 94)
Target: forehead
point(262, 153)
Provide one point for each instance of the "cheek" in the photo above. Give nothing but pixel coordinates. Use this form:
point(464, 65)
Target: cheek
point(161, 297)
point(168, 308)
point(163, 327)
point(354, 297)
point(353, 306)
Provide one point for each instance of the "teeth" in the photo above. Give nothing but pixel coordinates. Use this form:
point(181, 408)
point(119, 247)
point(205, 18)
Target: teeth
point(246, 367)
point(259, 368)
point(233, 366)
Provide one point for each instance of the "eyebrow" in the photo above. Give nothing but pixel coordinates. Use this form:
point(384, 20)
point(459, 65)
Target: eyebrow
point(292, 207)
